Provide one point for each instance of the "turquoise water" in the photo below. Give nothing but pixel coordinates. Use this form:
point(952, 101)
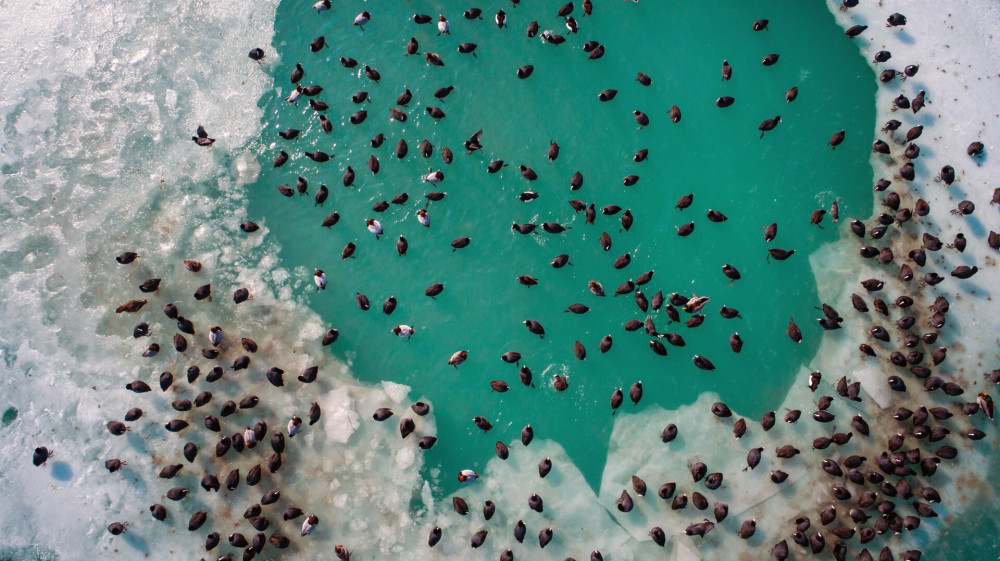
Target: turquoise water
point(712, 153)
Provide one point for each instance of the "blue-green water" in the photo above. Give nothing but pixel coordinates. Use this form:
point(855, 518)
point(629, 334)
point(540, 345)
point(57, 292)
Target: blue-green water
point(712, 153)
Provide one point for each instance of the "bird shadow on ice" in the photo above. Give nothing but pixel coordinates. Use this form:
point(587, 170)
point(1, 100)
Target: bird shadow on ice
point(137, 442)
point(956, 190)
point(136, 542)
point(923, 118)
point(139, 484)
point(919, 169)
point(859, 19)
point(904, 37)
point(975, 226)
point(61, 471)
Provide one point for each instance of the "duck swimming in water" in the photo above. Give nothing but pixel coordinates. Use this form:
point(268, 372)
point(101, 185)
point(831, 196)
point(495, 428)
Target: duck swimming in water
point(374, 226)
point(361, 19)
point(458, 358)
point(695, 304)
point(404, 331)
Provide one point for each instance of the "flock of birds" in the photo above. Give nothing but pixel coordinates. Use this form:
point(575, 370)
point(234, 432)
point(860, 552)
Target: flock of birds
point(244, 448)
point(872, 496)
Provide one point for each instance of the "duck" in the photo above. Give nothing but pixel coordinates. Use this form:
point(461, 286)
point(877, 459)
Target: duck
point(293, 97)
point(985, 404)
point(294, 426)
point(361, 19)
point(458, 357)
point(695, 304)
point(202, 138)
point(374, 226)
point(249, 437)
point(309, 524)
point(404, 331)
point(215, 335)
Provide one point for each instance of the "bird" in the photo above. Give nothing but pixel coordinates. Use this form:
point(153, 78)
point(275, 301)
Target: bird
point(768, 124)
point(361, 19)
point(319, 277)
point(215, 335)
point(404, 331)
point(374, 226)
point(293, 97)
point(444, 28)
point(257, 55)
point(294, 426)
point(202, 138)
point(985, 403)
point(458, 357)
point(309, 524)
